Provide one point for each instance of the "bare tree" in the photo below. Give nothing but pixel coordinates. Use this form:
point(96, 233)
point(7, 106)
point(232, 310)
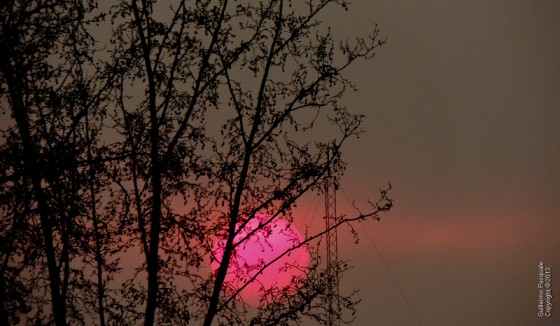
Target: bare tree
point(50, 236)
point(192, 121)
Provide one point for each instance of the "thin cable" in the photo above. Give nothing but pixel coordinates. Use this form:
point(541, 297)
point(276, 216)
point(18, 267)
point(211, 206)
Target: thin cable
point(393, 277)
point(315, 206)
point(386, 265)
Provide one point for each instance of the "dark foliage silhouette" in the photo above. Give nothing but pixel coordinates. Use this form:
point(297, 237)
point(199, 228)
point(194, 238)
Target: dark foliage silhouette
point(148, 129)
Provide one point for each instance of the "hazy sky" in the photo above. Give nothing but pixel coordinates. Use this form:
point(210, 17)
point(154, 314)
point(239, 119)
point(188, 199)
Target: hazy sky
point(463, 117)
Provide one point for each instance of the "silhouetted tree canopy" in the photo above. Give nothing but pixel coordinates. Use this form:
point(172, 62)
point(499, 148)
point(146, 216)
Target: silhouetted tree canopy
point(136, 133)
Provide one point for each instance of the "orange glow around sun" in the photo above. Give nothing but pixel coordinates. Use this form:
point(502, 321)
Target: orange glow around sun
point(261, 248)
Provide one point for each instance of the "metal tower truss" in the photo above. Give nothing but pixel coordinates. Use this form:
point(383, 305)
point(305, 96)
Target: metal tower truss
point(333, 303)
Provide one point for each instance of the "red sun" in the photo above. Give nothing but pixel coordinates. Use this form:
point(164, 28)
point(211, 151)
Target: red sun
point(264, 246)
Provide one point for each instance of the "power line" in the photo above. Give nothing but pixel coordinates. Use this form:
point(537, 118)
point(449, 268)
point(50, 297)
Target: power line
point(386, 266)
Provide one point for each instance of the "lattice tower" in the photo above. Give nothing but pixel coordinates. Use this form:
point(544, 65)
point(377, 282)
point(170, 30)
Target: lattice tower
point(333, 303)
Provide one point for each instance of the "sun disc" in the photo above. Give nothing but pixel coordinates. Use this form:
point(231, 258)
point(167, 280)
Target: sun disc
point(266, 246)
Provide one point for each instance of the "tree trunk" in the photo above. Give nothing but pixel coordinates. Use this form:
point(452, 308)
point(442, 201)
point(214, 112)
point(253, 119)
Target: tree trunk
point(19, 111)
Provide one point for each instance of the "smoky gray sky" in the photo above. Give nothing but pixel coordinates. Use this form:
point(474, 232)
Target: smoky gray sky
point(463, 118)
